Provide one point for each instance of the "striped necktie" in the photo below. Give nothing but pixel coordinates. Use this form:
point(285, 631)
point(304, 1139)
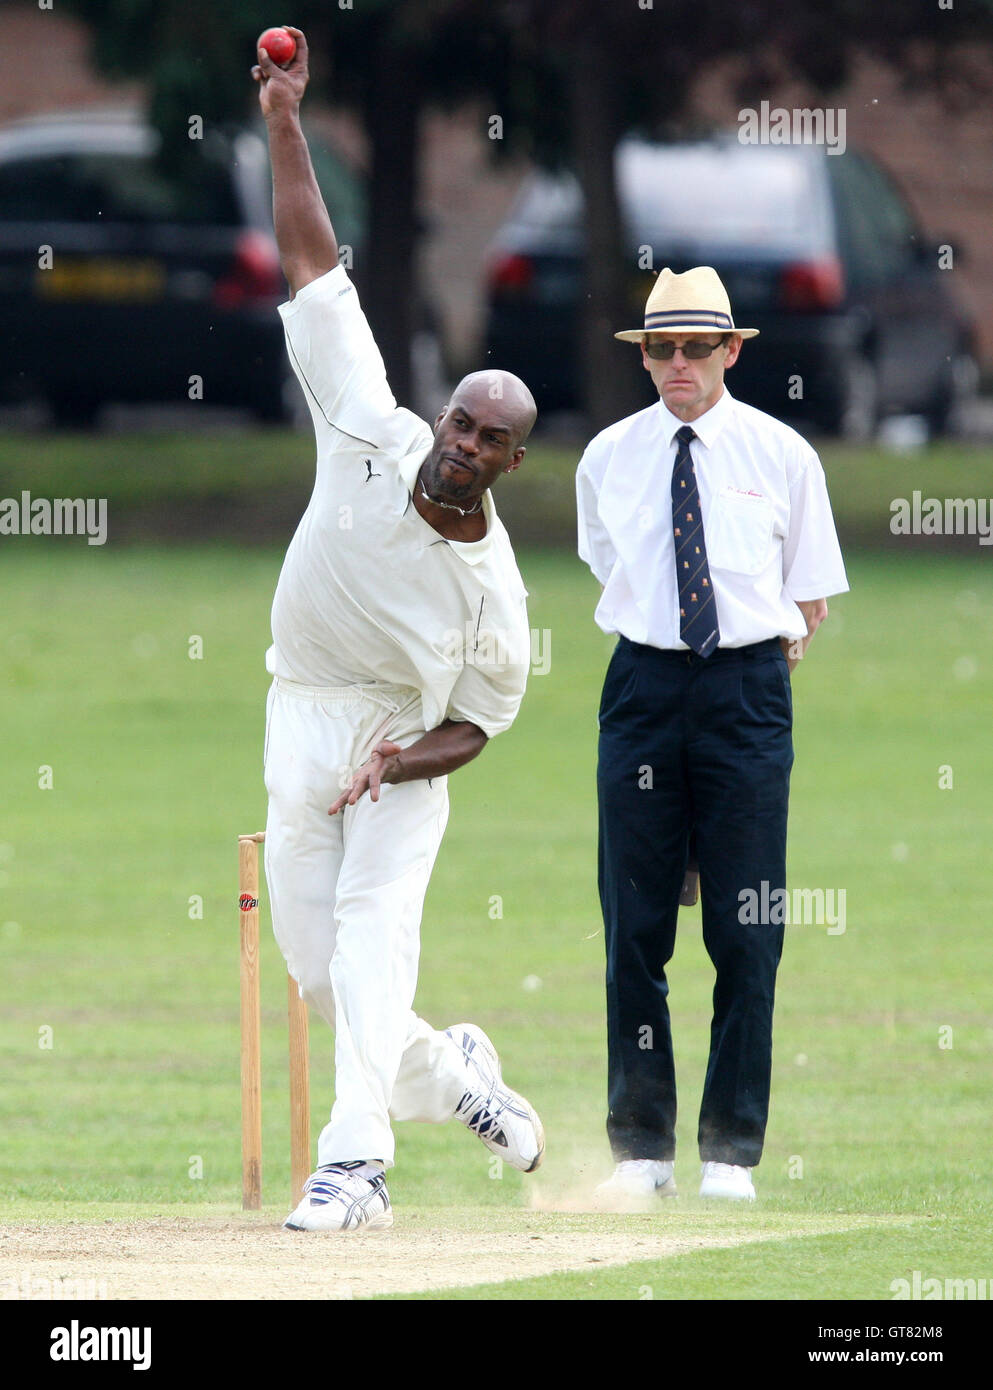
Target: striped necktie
point(697, 606)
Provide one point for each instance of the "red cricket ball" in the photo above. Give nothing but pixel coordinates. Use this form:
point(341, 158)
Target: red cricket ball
point(279, 45)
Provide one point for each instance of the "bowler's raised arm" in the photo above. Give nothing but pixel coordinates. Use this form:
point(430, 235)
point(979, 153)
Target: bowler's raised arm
point(306, 240)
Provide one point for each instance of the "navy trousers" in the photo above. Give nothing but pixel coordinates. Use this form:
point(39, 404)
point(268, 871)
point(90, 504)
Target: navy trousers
point(702, 746)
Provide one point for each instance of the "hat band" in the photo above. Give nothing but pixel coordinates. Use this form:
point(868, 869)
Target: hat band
point(702, 318)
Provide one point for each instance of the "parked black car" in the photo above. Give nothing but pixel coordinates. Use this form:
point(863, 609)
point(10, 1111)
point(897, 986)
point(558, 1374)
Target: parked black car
point(818, 251)
point(156, 274)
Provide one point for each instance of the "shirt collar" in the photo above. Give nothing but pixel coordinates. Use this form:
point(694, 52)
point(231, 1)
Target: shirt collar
point(706, 428)
point(472, 552)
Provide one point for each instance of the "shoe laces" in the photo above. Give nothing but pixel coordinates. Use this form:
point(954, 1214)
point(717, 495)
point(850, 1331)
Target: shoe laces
point(474, 1114)
point(329, 1181)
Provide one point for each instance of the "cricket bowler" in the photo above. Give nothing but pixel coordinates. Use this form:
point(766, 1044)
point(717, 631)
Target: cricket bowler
point(400, 573)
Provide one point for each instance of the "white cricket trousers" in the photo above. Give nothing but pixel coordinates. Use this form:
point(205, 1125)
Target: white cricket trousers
point(347, 892)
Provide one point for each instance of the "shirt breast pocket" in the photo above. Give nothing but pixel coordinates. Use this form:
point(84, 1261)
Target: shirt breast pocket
point(739, 532)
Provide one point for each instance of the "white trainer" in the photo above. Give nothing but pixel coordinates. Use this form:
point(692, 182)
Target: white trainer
point(506, 1123)
point(727, 1180)
point(338, 1197)
point(636, 1182)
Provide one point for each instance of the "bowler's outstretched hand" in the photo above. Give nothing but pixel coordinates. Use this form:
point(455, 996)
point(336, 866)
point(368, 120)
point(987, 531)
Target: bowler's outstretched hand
point(282, 88)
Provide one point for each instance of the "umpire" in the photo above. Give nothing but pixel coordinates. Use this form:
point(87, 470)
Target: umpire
point(709, 526)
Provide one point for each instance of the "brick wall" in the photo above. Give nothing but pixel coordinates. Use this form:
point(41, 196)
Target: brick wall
point(45, 65)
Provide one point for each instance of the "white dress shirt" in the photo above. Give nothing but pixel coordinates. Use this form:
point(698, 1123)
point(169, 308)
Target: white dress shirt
point(369, 593)
point(767, 524)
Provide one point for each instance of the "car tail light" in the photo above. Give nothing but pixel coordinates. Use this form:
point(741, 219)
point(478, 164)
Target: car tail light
point(255, 273)
point(512, 275)
point(811, 285)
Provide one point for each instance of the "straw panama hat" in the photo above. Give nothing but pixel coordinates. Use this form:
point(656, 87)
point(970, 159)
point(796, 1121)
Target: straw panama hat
point(694, 302)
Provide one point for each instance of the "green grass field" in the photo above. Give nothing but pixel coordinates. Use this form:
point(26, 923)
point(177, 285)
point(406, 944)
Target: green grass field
point(223, 482)
point(118, 1001)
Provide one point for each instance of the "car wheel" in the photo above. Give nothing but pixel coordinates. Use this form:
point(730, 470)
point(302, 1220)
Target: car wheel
point(858, 408)
point(269, 413)
point(74, 410)
point(957, 392)
point(281, 406)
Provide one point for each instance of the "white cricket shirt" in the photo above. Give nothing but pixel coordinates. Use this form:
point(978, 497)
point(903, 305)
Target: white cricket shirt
point(767, 523)
point(369, 593)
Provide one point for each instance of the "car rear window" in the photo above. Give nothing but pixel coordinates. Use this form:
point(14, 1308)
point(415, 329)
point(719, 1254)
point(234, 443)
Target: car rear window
point(117, 188)
point(718, 195)
point(724, 195)
point(875, 226)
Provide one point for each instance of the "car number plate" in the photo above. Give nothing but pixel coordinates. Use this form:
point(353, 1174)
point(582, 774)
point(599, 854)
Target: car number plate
point(101, 278)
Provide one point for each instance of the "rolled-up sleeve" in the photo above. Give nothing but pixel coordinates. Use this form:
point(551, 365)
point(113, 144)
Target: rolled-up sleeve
point(490, 686)
point(491, 700)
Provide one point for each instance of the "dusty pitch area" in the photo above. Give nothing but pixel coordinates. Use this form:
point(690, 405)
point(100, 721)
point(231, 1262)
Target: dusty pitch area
point(252, 1258)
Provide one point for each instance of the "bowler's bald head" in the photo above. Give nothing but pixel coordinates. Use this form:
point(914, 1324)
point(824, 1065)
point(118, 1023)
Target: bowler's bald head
point(503, 389)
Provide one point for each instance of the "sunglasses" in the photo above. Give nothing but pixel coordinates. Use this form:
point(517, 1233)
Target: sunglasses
point(692, 348)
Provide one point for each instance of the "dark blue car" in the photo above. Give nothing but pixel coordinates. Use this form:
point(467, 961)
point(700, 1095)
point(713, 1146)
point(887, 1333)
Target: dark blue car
point(128, 277)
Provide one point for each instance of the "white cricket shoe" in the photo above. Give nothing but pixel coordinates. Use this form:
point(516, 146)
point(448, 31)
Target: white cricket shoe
point(339, 1198)
point(505, 1122)
point(635, 1184)
point(727, 1180)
